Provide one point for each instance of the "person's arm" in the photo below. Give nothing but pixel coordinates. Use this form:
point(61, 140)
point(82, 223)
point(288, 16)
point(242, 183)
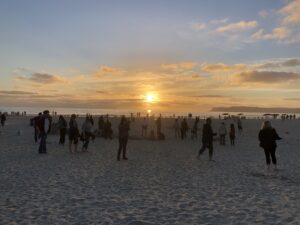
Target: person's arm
point(276, 135)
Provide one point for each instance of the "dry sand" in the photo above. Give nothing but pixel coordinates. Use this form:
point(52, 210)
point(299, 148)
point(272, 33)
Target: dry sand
point(162, 183)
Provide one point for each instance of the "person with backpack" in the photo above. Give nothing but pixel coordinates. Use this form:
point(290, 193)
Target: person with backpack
point(123, 137)
point(44, 126)
point(207, 139)
point(62, 125)
point(267, 137)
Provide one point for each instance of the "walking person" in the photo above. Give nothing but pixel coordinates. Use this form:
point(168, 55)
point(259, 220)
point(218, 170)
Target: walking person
point(44, 126)
point(222, 133)
point(232, 134)
point(87, 134)
point(207, 139)
point(176, 129)
point(73, 134)
point(195, 129)
point(123, 137)
point(267, 137)
point(62, 125)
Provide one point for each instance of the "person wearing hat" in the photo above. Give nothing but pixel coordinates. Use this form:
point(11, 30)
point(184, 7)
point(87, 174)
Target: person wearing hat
point(207, 139)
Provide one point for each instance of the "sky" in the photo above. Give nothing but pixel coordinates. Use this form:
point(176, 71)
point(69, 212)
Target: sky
point(158, 55)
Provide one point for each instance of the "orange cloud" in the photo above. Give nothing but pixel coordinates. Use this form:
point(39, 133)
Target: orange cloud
point(291, 12)
point(238, 26)
point(279, 33)
point(221, 67)
point(106, 70)
point(179, 67)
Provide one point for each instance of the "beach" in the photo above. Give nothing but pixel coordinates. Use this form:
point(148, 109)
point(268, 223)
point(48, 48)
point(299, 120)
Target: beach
point(161, 183)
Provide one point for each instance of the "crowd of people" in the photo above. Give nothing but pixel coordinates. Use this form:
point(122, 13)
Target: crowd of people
point(43, 123)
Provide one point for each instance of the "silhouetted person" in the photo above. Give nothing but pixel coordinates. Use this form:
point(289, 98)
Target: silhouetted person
point(36, 126)
point(87, 134)
point(195, 129)
point(44, 126)
point(108, 132)
point(158, 127)
point(73, 133)
point(62, 125)
point(176, 129)
point(101, 125)
point(144, 127)
point(184, 128)
point(267, 137)
point(232, 134)
point(3, 119)
point(207, 139)
point(222, 133)
point(240, 126)
point(123, 137)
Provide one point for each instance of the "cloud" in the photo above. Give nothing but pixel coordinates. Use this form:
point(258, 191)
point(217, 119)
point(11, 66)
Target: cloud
point(291, 13)
point(292, 99)
point(238, 26)
point(279, 33)
point(198, 26)
point(221, 67)
point(211, 96)
point(106, 70)
point(43, 78)
point(179, 66)
point(279, 64)
point(17, 93)
point(266, 77)
point(219, 21)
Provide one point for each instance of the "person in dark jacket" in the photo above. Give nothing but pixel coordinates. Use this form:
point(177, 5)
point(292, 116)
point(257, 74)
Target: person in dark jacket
point(35, 126)
point(62, 125)
point(123, 137)
point(3, 119)
point(44, 126)
point(207, 139)
point(267, 137)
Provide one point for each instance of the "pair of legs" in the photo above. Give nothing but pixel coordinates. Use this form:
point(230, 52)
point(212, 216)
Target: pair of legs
point(85, 146)
point(204, 146)
point(62, 136)
point(122, 148)
point(73, 140)
point(36, 134)
point(270, 154)
point(222, 139)
point(43, 147)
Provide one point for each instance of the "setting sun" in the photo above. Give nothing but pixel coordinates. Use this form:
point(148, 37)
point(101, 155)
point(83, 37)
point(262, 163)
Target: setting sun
point(150, 98)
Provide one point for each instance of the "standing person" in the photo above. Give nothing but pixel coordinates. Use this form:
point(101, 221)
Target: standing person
point(3, 119)
point(176, 129)
point(87, 127)
point(144, 127)
point(123, 137)
point(62, 125)
point(222, 133)
point(184, 128)
point(101, 125)
point(207, 139)
point(36, 126)
point(73, 134)
point(267, 137)
point(232, 134)
point(108, 132)
point(158, 127)
point(240, 126)
point(195, 129)
point(44, 126)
